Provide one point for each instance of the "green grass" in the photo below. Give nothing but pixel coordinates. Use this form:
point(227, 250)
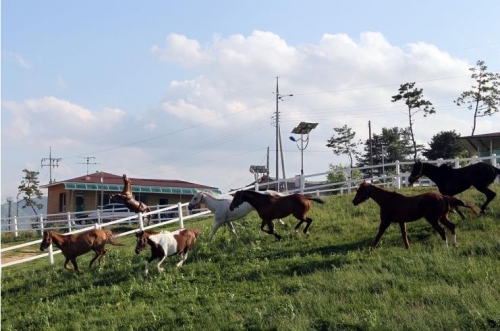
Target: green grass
point(330, 280)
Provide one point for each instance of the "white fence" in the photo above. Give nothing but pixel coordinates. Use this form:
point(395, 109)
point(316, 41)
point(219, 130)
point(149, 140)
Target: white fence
point(395, 179)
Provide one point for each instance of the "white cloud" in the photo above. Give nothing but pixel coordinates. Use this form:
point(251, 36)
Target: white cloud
point(18, 59)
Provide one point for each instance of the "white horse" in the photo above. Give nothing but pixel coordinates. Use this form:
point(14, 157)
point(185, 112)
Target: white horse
point(219, 206)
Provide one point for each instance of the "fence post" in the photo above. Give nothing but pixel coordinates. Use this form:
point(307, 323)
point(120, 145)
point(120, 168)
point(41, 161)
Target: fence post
point(349, 183)
point(16, 234)
point(51, 255)
point(474, 159)
point(41, 224)
point(457, 163)
point(69, 221)
point(494, 163)
point(97, 226)
point(398, 175)
point(179, 212)
point(141, 222)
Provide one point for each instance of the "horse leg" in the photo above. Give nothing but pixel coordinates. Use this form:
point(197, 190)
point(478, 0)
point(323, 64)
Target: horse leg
point(216, 227)
point(490, 195)
point(402, 226)
point(383, 226)
point(270, 226)
point(183, 258)
point(446, 222)
point(439, 229)
point(73, 261)
point(296, 228)
point(231, 227)
point(101, 257)
point(306, 229)
point(160, 269)
point(97, 254)
point(66, 264)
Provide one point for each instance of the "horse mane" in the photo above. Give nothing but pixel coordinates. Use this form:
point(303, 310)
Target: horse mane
point(214, 195)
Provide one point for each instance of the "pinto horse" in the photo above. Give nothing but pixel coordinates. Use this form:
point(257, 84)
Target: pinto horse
point(73, 246)
point(270, 207)
point(165, 244)
point(129, 201)
point(454, 181)
point(397, 208)
point(219, 206)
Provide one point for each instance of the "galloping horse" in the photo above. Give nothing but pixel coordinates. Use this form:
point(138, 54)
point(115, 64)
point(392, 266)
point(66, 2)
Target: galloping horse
point(453, 181)
point(219, 206)
point(397, 208)
point(73, 246)
point(129, 201)
point(165, 244)
point(269, 208)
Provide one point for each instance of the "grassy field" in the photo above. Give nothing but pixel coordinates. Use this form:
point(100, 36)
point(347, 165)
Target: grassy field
point(330, 280)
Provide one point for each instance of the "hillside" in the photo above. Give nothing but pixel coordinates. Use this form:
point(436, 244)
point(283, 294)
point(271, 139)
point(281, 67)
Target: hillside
point(23, 211)
point(329, 280)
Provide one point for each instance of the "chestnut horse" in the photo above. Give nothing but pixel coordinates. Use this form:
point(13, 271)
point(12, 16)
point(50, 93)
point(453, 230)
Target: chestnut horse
point(129, 201)
point(165, 244)
point(72, 245)
point(454, 181)
point(397, 208)
point(270, 207)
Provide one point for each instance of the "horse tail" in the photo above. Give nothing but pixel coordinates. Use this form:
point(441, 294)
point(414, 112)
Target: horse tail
point(318, 200)
point(453, 204)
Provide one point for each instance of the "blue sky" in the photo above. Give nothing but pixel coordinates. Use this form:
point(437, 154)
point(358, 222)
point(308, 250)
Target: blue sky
point(183, 90)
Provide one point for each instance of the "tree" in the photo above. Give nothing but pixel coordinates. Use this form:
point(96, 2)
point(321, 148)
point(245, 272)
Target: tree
point(341, 174)
point(483, 98)
point(29, 186)
point(344, 143)
point(444, 145)
point(393, 144)
point(414, 100)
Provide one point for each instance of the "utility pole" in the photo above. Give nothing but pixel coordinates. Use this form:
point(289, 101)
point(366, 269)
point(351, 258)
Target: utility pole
point(88, 158)
point(278, 134)
point(371, 152)
point(52, 163)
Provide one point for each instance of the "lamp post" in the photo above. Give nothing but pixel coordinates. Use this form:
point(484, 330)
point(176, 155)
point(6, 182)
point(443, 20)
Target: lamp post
point(102, 188)
point(303, 129)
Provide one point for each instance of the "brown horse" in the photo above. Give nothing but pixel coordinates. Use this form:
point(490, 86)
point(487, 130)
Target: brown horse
point(73, 246)
point(397, 208)
point(270, 207)
point(128, 199)
point(165, 244)
point(454, 181)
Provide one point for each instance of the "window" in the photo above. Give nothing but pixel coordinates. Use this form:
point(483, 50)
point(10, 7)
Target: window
point(163, 202)
point(62, 202)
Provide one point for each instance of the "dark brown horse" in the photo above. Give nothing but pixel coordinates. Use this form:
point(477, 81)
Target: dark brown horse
point(454, 181)
point(164, 244)
point(270, 207)
point(128, 199)
point(72, 245)
point(397, 208)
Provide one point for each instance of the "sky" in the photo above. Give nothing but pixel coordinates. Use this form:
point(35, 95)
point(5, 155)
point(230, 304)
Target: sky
point(187, 89)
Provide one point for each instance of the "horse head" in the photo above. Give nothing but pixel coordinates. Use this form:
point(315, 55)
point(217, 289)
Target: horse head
point(416, 172)
point(46, 241)
point(196, 200)
point(362, 194)
point(142, 241)
point(237, 200)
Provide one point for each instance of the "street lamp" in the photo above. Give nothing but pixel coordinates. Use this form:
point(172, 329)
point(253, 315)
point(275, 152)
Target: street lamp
point(302, 129)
